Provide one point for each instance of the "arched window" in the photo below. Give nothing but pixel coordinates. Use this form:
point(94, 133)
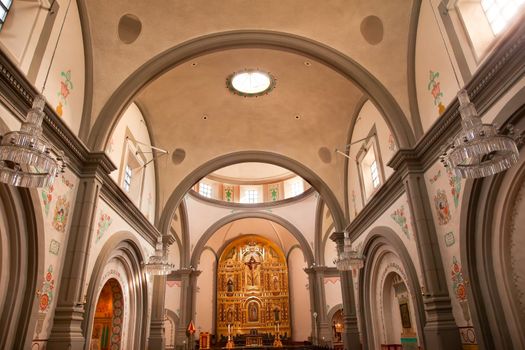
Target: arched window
point(5, 5)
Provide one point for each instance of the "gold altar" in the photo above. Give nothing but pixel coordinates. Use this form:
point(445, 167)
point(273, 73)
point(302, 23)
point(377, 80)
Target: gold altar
point(252, 288)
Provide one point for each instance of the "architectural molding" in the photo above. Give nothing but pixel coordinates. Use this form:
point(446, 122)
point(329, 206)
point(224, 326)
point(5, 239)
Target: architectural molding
point(415, 117)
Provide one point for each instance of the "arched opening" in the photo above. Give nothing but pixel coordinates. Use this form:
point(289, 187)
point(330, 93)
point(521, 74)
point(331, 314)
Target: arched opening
point(109, 317)
point(337, 328)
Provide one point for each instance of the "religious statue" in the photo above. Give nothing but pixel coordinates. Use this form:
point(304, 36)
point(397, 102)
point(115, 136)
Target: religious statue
point(229, 286)
point(252, 265)
point(253, 312)
point(276, 314)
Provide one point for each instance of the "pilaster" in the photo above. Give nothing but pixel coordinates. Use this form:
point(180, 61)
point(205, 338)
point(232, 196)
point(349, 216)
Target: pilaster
point(351, 339)
point(188, 278)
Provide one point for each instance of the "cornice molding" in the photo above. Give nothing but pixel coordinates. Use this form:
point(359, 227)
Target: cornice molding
point(16, 93)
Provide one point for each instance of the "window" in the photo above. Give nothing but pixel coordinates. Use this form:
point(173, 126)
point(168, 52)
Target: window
point(251, 196)
point(297, 188)
point(375, 174)
point(500, 12)
point(5, 5)
point(127, 178)
point(205, 190)
point(369, 167)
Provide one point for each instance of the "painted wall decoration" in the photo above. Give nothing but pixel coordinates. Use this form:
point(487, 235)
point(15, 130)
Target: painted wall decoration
point(45, 295)
point(435, 90)
point(400, 218)
point(354, 203)
point(458, 285)
point(104, 222)
point(69, 184)
point(442, 207)
point(449, 239)
point(274, 192)
point(61, 214)
point(228, 193)
point(54, 247)
point(118, 314)
point(455, 186)
point(47, 197)
point(149, 199)
point(392, 143)
point(65, 89)
point(435, 177)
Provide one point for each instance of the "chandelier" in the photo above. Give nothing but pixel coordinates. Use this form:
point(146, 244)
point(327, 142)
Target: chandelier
point(26, 158)
point(158, 264)
point(479, 150)
point(349, 259)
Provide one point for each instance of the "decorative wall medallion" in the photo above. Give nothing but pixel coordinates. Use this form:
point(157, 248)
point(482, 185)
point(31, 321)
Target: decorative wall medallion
point(458, 285)
point(449, 239)
point(47, 197)
point(392, 143)
point(54, 247)
point(65, 89)
point(442, 207)
point(400, 218)
point(103, 225)
point(435, 90)
point(455, 186)
point(45, 295)
point(61, 214)
point(436, 176)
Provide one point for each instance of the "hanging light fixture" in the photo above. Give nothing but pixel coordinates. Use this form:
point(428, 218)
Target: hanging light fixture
point(349, 259)
point(158, 264)
point(26, 157)
point(479, 150)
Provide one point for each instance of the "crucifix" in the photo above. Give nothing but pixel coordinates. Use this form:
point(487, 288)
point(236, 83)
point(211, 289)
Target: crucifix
point(252, 265)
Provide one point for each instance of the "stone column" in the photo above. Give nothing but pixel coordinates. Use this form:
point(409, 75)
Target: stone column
point(313, 305)
point(67, 331)
point(441, 331)
point(157, 336)
point(316, 280)
point(188, 277)
point(351, 339)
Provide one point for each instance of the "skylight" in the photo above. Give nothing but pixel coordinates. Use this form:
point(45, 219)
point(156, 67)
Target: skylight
point(250, 83)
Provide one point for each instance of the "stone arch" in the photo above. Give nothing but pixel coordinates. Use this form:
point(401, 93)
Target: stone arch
point(170, 58)
point(126, 248)
point(251, 156)
point(483, 199)
point(23, 269)
point(378, 238)
point(175, 319)
point(333, 310)
point(201, 244)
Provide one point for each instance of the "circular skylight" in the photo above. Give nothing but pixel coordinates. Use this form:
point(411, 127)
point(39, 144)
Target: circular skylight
point(250, 83)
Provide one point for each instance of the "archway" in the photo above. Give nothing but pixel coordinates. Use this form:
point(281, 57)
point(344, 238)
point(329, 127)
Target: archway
point(109, 316)
point(335, 317)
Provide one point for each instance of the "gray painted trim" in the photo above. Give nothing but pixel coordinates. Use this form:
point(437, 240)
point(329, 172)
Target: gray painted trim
point(85, 121)
point(358, 107)
point(459, 54)
point(378, 237)
point(325, 239)
point(179, 244)
point(411, 70)
point(170, 58)
point(295, 246)
point(236, 205)
point(185, 234)
point(197, 251)
point(318, 230)
point(251, 156)
point(121, 245)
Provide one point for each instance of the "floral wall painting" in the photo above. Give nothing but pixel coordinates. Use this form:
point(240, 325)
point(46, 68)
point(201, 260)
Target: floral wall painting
point(274, 192)
point(435, 177)
point(228, 193)
point(61, 214)
point(455, 186)
point(45, 295)
point(400, 218)
point(435, 89)
point(104, 222)
point(47, 197)
point(54, 247)
point(392, 143)
point(69, 184)
point(442, 207)
point(65, 89)
point(458, 285)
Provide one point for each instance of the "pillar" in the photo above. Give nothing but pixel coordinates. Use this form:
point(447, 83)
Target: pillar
point(67, 330)
point(351, 339)
point(441, 331)
point(318, 296)
point(188, 277)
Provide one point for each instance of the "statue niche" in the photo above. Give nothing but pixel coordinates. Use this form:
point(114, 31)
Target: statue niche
point(252, 282)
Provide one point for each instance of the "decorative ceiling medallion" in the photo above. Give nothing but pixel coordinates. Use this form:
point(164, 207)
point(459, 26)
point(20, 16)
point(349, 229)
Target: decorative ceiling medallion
point(250, 83)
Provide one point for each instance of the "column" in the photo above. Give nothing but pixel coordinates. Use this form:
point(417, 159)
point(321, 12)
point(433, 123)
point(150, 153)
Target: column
point(188, 277)
point(69, 313)
point(441, 331)
point(317, 293)
point(157, 336)
point(351, 339)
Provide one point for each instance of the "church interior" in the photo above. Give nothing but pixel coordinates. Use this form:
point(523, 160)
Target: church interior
point(240, 174)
